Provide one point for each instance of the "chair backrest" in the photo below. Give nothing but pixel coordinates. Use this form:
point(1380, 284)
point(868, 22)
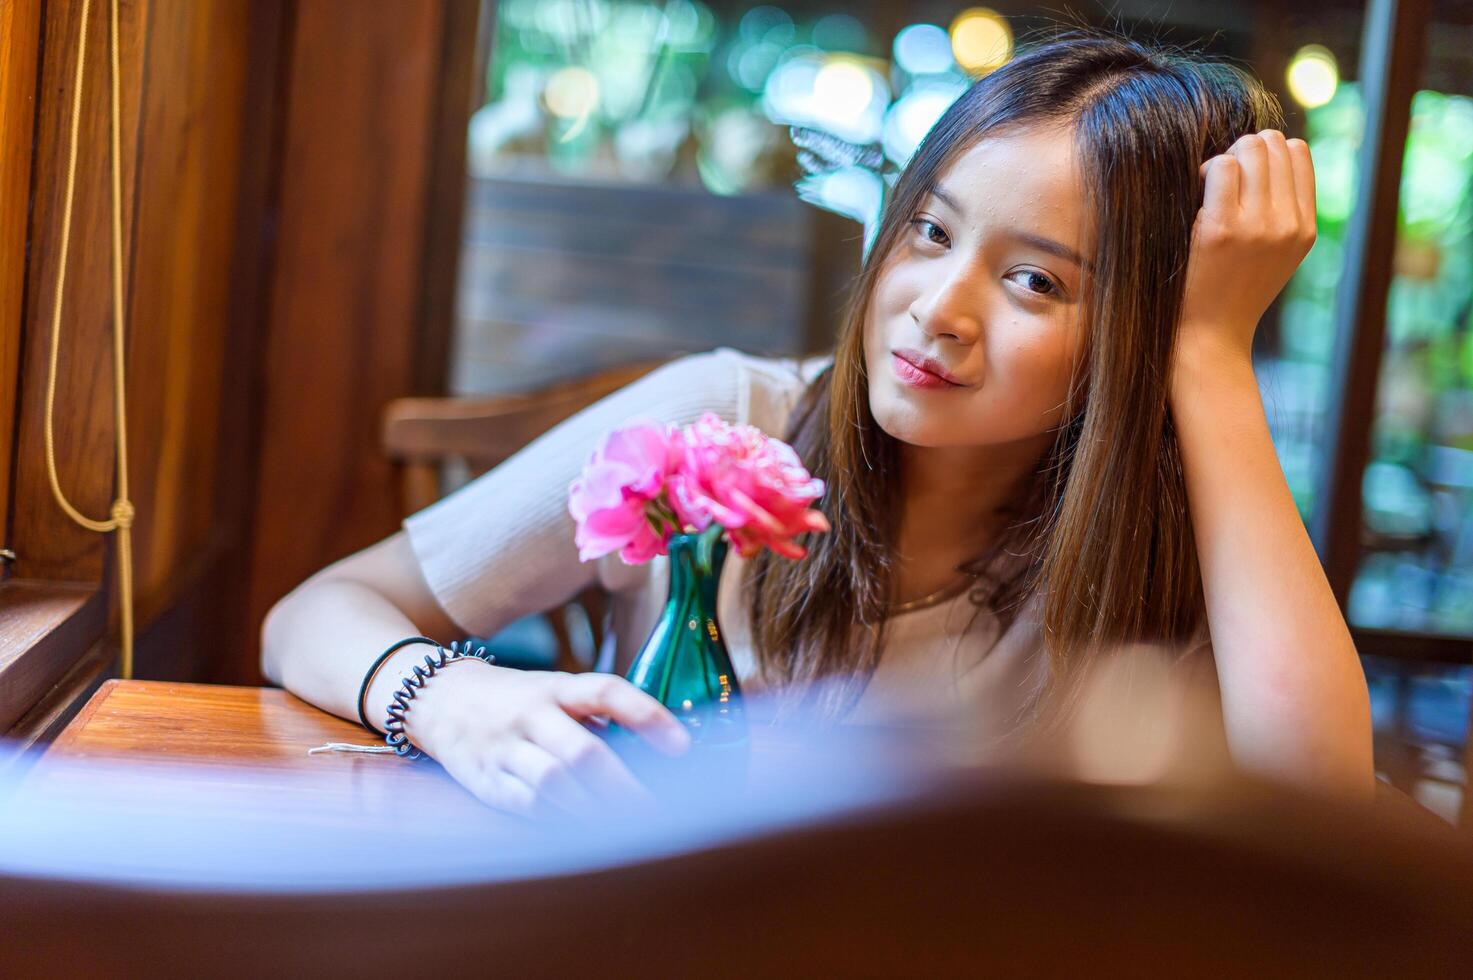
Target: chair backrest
point(998, 880)
point(419, 434)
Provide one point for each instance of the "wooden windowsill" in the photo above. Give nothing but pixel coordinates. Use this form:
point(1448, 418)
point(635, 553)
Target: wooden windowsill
point(45, 629)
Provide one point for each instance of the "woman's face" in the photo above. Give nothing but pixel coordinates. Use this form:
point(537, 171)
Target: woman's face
point(986, 281)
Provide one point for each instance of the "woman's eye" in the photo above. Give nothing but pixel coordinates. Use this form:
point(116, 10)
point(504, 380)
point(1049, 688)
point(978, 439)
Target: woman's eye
point(926, 229)
point(1037, 282)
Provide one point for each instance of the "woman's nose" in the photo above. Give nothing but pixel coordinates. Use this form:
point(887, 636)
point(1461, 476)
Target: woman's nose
point(949, 309)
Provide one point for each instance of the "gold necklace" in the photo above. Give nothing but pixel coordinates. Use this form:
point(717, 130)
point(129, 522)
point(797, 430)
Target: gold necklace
point(945, 592)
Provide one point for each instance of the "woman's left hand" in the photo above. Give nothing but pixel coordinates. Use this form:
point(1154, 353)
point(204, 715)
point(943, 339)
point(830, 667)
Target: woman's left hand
point(1256, 224)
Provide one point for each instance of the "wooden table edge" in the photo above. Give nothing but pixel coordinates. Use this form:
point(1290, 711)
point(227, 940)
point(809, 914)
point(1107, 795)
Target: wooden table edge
point(68, 735)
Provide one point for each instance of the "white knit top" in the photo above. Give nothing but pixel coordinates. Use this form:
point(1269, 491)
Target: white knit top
point(501, 547)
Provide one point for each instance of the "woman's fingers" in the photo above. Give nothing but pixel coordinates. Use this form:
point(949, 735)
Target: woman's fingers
point(1303, 182)
point(1267, 178)
point(548, 777)
point(483, 775)
point(501, 790)
point(1253, 189)
point(607, 694)
point(1220, 196)
point(1281, 190)
point(587, 756)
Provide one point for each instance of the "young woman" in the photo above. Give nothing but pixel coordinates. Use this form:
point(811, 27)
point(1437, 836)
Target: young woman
point(1041, 436)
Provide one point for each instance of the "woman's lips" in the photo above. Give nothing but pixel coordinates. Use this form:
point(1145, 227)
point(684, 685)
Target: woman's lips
point(916, 377)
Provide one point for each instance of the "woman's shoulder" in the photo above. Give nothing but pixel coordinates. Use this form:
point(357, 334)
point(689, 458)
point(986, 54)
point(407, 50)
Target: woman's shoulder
point(784, 370)
point(767, 387)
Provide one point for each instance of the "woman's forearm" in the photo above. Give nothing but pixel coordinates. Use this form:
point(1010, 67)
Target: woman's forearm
point(1294, 696)
point(319, 641)
point(521, 741)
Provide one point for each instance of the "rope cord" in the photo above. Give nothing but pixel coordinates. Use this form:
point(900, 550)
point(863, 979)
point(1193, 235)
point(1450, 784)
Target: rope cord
point(122, 512)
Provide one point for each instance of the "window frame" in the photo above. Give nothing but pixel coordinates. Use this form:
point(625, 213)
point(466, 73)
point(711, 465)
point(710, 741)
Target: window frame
point(54, 605)
point(19, 24)
point(1393, 45)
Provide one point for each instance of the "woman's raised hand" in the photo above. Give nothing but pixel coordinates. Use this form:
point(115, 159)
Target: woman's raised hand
point(1256, 224)
point(516, 738)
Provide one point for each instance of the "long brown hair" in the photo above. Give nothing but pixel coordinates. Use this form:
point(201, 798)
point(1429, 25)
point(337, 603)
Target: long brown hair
point(1105, 532)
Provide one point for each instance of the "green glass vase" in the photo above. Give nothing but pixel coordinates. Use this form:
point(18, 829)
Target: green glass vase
point(684, 664)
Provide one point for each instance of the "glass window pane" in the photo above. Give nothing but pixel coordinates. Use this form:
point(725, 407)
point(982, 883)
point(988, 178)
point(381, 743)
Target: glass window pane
point(1416, 570)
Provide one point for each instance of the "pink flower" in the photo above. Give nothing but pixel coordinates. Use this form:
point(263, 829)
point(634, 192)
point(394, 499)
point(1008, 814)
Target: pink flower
point(610, 500)
point(753, 485)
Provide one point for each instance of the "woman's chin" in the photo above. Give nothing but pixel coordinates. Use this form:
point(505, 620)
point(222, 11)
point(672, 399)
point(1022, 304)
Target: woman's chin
point(907, 427)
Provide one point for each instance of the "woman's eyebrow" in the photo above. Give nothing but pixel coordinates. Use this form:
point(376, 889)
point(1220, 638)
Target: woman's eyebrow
point(1027, 238)
point(1052, 247)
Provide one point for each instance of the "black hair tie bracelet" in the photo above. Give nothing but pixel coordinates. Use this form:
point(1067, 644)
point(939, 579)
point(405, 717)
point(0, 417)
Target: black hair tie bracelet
point(373, 670)
point(413, 683)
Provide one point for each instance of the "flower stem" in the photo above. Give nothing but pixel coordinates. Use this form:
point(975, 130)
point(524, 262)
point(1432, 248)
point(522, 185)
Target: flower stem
point(706, 544)
point(660, 517)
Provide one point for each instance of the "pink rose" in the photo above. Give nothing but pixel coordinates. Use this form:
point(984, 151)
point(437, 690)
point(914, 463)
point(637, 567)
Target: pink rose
point(610, 500)
point(753, 485)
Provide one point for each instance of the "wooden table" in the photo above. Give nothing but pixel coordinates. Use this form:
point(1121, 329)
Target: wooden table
point(250, 747)
point(215, 725)
point(174, 768)
point(242, 739)
point(158, 761)
point(209, 723)
point(268, 729)
point(160, 726)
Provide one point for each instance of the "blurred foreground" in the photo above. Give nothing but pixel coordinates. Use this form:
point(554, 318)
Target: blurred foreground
point(1127, 846)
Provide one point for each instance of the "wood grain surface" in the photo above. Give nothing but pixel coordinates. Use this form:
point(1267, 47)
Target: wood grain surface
point(19, 26)
point(235, 742)
point(47, 543)
point(342, 328)
point(157, 725)
point(256, 729)
point(262, 737)
point(199, 102)
point(42, 625)
point(209, 723)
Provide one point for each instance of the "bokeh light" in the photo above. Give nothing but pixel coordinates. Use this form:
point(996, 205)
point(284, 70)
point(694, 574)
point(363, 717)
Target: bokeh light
point(1313, 75)
point(913, 115)
point(571, 92)
point(981, 40)
point(767, 23)
point(840, 32)
point(843, 88)
point(840, 94)
point(922, 49)
point(751, 65)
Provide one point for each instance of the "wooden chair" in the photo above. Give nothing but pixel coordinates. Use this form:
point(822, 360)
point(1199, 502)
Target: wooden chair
point(421, 434)
point(968, 880)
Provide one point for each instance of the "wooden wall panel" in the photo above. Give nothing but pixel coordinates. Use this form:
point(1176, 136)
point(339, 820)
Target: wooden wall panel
point(48, 544)
point(20, 40)
point(185, 66)
point(191, 146)
point(286, 163)
point(346, 301)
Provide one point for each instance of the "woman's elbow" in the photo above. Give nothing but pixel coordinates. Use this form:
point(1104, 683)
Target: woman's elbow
point(271, 639)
